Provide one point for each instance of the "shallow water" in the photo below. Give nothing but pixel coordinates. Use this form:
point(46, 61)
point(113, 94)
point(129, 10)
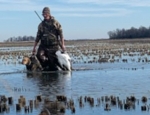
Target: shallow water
point(94, 80)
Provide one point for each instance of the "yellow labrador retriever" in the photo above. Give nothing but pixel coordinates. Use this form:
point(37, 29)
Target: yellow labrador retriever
point(32, 63)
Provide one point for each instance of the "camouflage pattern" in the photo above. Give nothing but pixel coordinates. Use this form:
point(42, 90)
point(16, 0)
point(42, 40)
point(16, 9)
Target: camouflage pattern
point(48, 58)
point(46, 10)
point(49, 32)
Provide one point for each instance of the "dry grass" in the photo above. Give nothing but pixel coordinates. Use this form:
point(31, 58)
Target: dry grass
point(90, 51)
point(80, 42)
point(97, 45)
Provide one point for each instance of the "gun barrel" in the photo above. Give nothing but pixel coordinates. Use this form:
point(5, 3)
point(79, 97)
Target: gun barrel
point(38, 15)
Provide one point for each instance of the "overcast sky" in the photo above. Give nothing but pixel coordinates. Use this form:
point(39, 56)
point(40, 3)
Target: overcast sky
point(80, 19)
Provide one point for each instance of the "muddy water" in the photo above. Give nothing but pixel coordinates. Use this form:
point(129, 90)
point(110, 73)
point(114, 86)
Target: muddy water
point(95, 80)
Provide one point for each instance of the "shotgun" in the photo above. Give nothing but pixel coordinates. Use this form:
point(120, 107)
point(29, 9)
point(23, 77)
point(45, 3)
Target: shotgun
point(47, 27)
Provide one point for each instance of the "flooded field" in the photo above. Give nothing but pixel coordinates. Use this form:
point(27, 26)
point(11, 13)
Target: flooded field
point(109, 77)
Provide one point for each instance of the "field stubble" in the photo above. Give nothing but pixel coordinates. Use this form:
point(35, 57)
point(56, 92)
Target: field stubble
point(89, 51)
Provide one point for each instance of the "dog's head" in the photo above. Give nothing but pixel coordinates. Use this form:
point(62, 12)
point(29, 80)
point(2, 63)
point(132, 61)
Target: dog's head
point(26, 60)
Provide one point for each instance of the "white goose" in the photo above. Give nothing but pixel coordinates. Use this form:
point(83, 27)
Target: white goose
point(64, 60)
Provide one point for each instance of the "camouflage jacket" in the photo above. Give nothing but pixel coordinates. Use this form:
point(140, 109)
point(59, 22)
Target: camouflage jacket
point(49, 32)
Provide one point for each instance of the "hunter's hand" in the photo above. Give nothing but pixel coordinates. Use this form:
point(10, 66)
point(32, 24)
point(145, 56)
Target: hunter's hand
point(63, 48)
point(33, 51)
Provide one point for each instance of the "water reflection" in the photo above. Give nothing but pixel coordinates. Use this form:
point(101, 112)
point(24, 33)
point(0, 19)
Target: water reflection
point(51, 83)
point(30, 85)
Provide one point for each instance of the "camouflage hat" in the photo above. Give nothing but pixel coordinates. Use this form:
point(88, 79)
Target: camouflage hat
point(46, 10)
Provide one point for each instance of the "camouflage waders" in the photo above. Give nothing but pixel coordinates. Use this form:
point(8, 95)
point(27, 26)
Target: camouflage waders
point(48, 33)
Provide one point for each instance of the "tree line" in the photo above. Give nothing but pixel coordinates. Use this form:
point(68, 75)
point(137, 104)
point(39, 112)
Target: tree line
point(141, 32)
point(132, 33)
point(20, 38)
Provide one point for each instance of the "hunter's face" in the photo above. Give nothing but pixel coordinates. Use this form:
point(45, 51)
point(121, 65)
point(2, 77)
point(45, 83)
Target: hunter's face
point(46, 16)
